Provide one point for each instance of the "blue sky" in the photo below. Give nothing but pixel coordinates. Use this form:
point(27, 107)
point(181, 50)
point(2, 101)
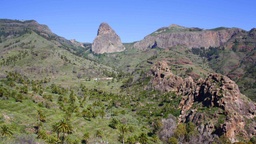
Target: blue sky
point(131, 19)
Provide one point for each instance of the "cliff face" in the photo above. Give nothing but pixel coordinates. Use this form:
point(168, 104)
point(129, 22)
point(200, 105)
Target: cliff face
point(188, 37)
point(107, 41)
point(214, 104)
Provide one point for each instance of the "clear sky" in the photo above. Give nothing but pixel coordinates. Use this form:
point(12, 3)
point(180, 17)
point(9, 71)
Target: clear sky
point(131, 19)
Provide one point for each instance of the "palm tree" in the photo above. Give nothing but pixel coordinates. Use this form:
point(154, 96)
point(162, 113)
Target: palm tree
point(143, 138)
point(5, 131)
point(86, 136)
point(41, 116)
point(131, 140)
point(72, 98)
point(41, 134)
point(87, 114)
point(99, 134)
point(114, 123)
point(63, 127)
point(102, 113)
point(123, 129)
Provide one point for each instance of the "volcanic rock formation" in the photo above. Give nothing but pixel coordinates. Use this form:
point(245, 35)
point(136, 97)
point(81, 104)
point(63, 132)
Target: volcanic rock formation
point(214, 104)
point(189, 37)
point(107, 41)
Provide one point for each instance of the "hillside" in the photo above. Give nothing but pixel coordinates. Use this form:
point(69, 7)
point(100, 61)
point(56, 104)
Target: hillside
point(214, 104)
point(30, 51)
point(54, 90)
point(229, 51)
point(236, 59)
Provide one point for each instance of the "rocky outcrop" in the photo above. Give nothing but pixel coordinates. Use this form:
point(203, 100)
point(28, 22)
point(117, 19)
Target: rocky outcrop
point(214, 104)
point(164, 79)
point(107, 41)
point(188, 37)
point(221, 92)
point(252, 33)
point(76, 43)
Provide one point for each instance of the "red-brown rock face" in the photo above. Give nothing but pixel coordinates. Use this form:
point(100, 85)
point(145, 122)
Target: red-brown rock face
point(180, 36)
point(107, 41)
point(214, 104)
point(164, 79)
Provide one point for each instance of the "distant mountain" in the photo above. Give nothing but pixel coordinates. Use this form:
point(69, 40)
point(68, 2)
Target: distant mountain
point(13, 28)
point(175, 35)
point(107, 41)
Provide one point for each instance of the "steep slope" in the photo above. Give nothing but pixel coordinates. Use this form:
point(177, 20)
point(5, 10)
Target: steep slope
point(229, 51)
point(33, 50)
point(236, 59)
point(214, 104)
point(107, 41)
point(13, 28)
point(188, 37)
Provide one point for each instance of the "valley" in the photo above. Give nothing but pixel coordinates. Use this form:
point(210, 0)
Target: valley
point(177, 85)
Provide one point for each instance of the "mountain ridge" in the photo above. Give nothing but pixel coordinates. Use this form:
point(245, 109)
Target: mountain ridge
point(175, 35)
point(152, 95)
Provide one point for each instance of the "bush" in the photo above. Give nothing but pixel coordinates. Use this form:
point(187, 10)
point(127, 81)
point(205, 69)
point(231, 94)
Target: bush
point(224, 140)
point(131, 140)
point(172, 140)
point(99, 134)
point(168, 129)
point(114, 123)
point(180, 132)
point(143, 138)
point(253, 140)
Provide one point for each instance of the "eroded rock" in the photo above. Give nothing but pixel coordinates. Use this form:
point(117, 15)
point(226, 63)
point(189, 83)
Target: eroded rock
point(214, 104)
point(107, 41)
point(189, 37)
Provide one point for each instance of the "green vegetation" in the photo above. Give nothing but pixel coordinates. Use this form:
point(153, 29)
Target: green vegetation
point(53, 91)
point(237, 63)
point(174, 28)
point(57, 114)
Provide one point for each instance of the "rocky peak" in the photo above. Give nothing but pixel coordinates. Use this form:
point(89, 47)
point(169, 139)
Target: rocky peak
point(104, 28)
point(252, 33)
point(175, 26)
point(76, 43)
point(107, 41)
